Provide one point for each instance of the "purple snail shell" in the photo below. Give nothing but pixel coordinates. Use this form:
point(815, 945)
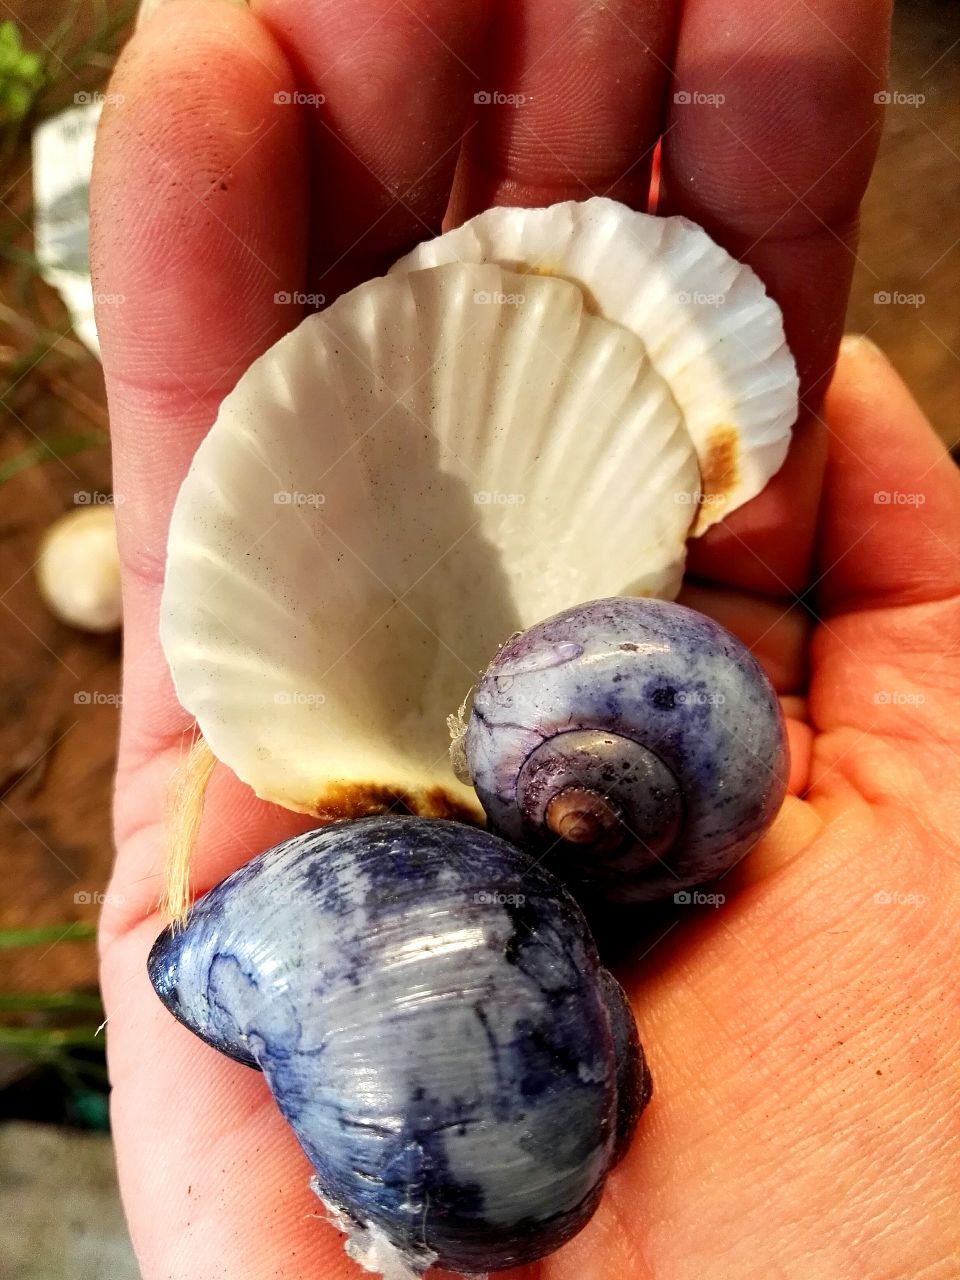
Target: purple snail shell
point(634, 744)
point(429, 1011)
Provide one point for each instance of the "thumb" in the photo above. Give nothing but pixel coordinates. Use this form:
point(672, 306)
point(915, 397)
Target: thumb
point(890, 519)
point(888, 595)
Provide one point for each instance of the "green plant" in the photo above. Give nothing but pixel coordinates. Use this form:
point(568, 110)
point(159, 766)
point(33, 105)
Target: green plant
point(58, 1032)
point(21, 74)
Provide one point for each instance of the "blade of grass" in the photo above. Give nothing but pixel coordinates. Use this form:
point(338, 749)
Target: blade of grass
point(74, 931)
point(103, 38)
point(47, 451)
point(64, 62)
point(40, 1001)
point(43, 1041)
point(60, 34)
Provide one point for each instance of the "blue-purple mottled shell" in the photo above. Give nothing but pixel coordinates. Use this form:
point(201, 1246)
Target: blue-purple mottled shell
point(430, 1014)
point(663, 676)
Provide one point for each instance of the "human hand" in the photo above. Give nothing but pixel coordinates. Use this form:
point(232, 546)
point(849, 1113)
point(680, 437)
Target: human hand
point(799, 1035)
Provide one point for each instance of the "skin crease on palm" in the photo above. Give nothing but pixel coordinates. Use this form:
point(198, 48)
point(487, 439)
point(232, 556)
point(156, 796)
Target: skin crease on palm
point(804, 1036)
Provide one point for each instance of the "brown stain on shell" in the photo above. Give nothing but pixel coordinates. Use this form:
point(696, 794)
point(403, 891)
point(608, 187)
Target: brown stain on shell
point(719, 473)
point(361, 799)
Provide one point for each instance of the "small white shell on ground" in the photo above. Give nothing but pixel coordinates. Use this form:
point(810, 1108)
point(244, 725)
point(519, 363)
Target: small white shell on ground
point(705, 319)
point(438, 460)
point(78, 571)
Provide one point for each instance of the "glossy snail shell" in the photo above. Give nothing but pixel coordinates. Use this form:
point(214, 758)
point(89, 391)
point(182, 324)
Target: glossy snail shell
point(431, 1016)
point(634, 743)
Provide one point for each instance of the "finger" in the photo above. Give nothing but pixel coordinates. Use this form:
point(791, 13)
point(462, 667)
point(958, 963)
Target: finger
point(197, 245)
point(387, 91)
point(580, 107)
point(799, 744)
point(769, 142)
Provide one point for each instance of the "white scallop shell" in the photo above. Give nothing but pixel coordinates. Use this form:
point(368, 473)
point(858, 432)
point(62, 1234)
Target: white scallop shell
point(705, 319)
point(441, 458)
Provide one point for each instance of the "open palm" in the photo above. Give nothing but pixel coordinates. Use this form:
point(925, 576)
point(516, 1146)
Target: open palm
point(803, 1035)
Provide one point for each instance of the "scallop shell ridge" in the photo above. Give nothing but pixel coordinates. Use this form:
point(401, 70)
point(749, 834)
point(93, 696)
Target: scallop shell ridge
point(441, 458)
point(707, 322)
